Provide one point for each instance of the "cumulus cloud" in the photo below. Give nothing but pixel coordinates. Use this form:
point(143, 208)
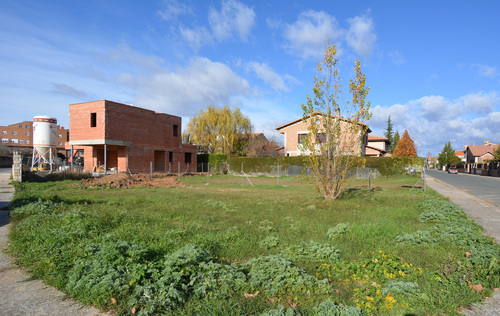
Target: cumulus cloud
point(433, 120)
point(486, 71)
point(309, 35)
point(264, 72)
point(361, 35)
point(186, 90)
point(233, 17)
point(174, 9)
point(196, 37)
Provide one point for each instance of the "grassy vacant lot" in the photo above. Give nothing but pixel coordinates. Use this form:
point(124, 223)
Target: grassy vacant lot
point(227, 249)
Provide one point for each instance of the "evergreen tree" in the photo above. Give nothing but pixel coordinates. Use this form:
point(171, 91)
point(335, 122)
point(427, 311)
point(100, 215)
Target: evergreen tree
point(447, 156)
point(389, 134)
point(405, 147)
point(395, 142)
point(496, 155)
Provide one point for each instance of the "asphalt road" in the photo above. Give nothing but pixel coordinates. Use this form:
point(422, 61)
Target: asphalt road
point(485, 188)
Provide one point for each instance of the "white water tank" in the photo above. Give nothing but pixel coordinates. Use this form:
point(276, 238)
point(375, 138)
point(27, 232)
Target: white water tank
point(44, 135)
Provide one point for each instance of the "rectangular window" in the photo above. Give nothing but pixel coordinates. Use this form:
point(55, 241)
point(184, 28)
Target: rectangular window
point(27, 133)
point(5, 140)
point(59, 143)
point(28, 142)
point(4, 132)
point(93, 119)
point(170, 156)
point(14, 141)
point(302, 138)
point(67, 136)
point(27, 126)
point(20, 125)
point(187, 158)
point(320, 138)
point(21, 141)
point(14, 133)
point(176, 131)
point(60, 136)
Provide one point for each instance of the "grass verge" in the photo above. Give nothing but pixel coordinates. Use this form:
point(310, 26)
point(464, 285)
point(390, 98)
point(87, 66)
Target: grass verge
point(269, 249)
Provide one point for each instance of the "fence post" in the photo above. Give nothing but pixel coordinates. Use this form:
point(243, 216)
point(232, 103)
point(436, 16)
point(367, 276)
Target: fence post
point(369, 177)
point(278, 173)
point(151, 169)
point(178, 171)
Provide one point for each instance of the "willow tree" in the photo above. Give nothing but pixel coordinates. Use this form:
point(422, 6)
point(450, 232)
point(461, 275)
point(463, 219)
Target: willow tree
point(217, 130)
point(335, 125)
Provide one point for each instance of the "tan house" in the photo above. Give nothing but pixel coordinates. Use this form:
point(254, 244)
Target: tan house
point(479, 153)
point(377, 146)
point(296, 131)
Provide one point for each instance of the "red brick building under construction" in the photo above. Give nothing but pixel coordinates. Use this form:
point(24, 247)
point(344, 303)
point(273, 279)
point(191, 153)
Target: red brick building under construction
point(127, 138)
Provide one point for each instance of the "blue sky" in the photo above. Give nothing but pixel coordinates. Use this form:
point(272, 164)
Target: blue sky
point(432, 65)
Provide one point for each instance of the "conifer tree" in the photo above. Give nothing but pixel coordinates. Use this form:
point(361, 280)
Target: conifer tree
point(447, 156)
point(405, 147)
point(395, 142)
point(389, 134)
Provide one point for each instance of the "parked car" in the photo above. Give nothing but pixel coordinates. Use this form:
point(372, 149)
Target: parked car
point(453, 170)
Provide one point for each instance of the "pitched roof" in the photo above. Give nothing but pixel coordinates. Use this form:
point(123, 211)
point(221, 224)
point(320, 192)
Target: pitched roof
point(480, 150)
point(460, 153)
point(322, 114)
point(373, 138)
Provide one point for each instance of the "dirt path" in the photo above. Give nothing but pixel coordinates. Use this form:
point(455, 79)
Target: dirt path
point(19, 295)
point(486, 215)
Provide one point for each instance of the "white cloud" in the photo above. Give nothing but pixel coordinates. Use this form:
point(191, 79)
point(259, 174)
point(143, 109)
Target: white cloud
point(264, 72)
point(480, 102)
point(433, 120)
point(309, 35)
point(233, 17)
point(486, 71)
point(196, 37)
point(397, 58)
point(185, 91)
point(361, 35)
point(174, 9)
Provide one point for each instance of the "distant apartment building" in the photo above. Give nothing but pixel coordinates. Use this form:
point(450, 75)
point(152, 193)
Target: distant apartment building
point(20, 136)
point(126, 138)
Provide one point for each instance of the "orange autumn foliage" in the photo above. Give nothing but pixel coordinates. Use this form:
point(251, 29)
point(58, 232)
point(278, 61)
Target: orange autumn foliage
point(405, 147)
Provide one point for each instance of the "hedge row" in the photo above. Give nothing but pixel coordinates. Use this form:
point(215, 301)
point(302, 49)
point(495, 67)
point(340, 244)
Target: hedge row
point(387, 166)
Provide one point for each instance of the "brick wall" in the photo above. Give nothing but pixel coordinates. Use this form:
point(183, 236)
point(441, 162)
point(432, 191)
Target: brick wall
point(148, 131)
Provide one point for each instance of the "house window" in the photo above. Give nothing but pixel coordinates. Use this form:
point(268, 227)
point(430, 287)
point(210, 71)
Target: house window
point(320, 138)
point(28, 142)
point(67, 136)
point(60, 136)
point(27, 133)
point(187, 158)
point(302, 138)
point(27, 126)
point(20, 125)
point(14, 133)
point(176, 130)
point(59, 143)
point(14, 141)
point(5, 140)
point(21, 141)
point(93, 119)
point(4, 132)
point(170, 156)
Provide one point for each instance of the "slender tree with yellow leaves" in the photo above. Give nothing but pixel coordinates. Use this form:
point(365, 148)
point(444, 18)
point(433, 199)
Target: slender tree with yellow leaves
point(335, 125)
point(217, 130)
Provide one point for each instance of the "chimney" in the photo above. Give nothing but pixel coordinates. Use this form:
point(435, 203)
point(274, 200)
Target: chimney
point(337, 112)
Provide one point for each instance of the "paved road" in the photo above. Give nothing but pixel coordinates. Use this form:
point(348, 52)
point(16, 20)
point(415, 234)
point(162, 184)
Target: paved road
point(482, 212)
point(485, 188)
point(19, 295)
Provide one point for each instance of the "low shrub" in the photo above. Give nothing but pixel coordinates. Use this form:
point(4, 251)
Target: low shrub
point(338, 230)
point(417, 238)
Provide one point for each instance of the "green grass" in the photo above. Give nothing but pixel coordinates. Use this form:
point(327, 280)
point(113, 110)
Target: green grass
point(198, 250)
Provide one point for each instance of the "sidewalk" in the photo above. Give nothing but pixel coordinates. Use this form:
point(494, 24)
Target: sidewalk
point(485, 214)
point(20, 296)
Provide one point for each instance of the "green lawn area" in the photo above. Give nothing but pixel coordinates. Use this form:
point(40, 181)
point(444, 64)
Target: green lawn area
point(232, 249)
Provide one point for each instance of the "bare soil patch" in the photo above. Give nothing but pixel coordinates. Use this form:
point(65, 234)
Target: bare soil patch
point(125, 180)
